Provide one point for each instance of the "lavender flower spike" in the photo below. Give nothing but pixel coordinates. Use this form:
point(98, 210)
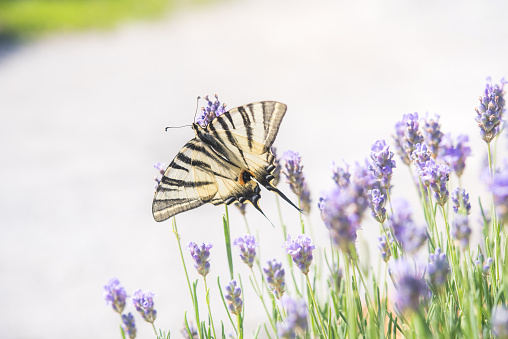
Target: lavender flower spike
point(247, 245)
point(212, 110)
point(234, 297)
point(377, 204)
point(489, 113)
point(294, 171)
point(296, 319)
point(460, 200)
point(275, 278)
point(407, 136)
point(410, 285)
point(407, 233)
point(143, 302)
point(420, 155)
point(432, 133)
point(129, 326)
point(160, 168)
point(499, 322)
point(455, 155)
point(436, 176)
point(115, 295)
point(461, 230)
point(301, 251)
point(201, 256)
point(384, 247)
point(382, 164)
point(438, 268)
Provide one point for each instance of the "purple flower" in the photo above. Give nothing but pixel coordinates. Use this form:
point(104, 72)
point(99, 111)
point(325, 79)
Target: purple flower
point(382, 164)
point(341, 176)
point(296, 319)
point(129, 326)
point(212, 110)
point(305, 200)
point(461, 230)
point(247, 245)
point(485, 265)
point(143, 302)
point(499, 322)
point(241, 207)
point(115, 295)
point(411, 288)
point(384, 247)
point(455, 155)
point(407, 136)
point(436, 176)
point(193, 332)
point(460, 200)
point(489, 113)
point(499, 188)
point(201, 256)
point(438, 268)
point(432, 133)
point(160, 168)
point(410, 236)
point(234, 297)
point(275, 278)
point(420, 155)
point(276, 171)
point(341, 215)
point(294, 171)
point(377, 204)
point(301, 251)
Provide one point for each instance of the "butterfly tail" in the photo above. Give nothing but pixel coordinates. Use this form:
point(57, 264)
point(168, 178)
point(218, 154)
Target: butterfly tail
point(282, 195)
point(255, 202)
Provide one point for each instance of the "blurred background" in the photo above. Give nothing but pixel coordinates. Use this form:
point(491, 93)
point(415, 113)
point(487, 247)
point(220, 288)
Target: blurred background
point(88, 86)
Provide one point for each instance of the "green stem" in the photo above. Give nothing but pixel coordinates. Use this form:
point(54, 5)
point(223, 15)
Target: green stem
point(246, 223)
point(316, 307)
point(153, 326)
point(300, 214)
point(208, 304)
point(259, 292)
point(240, 327)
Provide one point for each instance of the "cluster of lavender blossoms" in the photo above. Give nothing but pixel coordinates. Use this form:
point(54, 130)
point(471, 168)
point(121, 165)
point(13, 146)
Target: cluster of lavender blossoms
point(233, 297)
point(455, 154)
point(275, 277)
point(301, 251)
point(143, 302)
point(384, 247)
point(485, 265)
point(296, 318)
point(407, 135)
point(436, 177)
point(411, 288)
point(212, 110)
point(378, 202)
point(293, 172)
point(461, 231)
point(241, 207)
point(201, 256)
point(160, 168)
point(129, 325)
point(382, 163)
point(410, 236)
point(247, 245)
point(438, 268)
point(489, 113)
point(115, 295)
point(432, 133)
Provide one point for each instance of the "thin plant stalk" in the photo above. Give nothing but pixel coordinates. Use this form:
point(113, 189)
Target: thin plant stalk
point(208, 304)
point(316, 307)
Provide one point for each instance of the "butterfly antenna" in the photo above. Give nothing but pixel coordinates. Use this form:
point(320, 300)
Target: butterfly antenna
point(166, 129)
point(197, 105)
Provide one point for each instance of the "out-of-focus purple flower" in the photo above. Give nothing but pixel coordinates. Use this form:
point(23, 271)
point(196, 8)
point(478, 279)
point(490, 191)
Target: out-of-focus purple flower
point(234, 297)
point(241, 207)
point(382, 164)
point(115, 295)
point(143, 302)
point(485, 265)
point(377, 204)
point(410, 236)
point(247, 245)
point(294, 171)
point(460, 200)
point(407, 135)
point(432, 133)
point(384, 247)
point(160, 168)
point(436, 176)
point(461, 230)
point(275, 277)
point(499, 187)
point(301, 251)
point(193, 332)
point(296, 319)
point(499, 322)
point(305, 200)
point(341, 176)
point(128, 325)
point(341, 216)
point(489, 113)
point(420, 155)
point(335, 278)
point(201, 256)
point(438, 268)
point(411, 288)
point(455, 155)
point(276, 171)
point(212, 110)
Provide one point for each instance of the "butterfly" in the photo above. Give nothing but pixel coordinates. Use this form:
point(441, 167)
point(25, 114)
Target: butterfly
point(224, 163)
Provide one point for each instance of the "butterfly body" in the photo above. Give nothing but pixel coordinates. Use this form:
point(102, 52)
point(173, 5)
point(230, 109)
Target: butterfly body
point(224, 162)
